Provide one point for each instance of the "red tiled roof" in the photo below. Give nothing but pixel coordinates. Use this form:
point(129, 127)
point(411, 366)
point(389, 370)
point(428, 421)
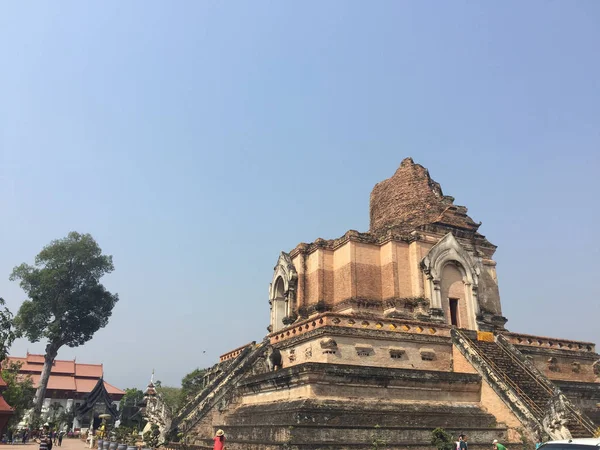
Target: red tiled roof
point(57, 382)
point(86, 385)
point(63, 367)
point(88, 370)
point(5, 407)
point(60, 366)
point(65, 375)
point(31, 358)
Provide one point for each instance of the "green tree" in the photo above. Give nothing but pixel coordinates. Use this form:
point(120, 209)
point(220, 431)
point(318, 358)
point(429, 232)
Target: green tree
point(19, 391)
point(442, 440)
point(65, 418)
point(132, 397)
point(53, 412)
point(171, 396)
point(191, 384)
point(152, 436)
point(7, 333)
point(130, 408)
point(67, 303)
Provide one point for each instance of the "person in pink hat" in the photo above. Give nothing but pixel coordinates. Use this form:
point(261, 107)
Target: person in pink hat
point(219, 440)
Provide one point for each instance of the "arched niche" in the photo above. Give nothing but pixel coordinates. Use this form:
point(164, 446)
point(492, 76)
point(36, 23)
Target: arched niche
point(282, 291)
point(451, 270)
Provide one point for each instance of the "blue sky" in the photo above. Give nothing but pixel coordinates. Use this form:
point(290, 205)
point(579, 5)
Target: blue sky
point(196, 140)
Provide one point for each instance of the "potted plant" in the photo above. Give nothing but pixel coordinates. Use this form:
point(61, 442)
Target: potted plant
point(151, 437)
point(132, 439)
point(113, 442)
point(122, 433)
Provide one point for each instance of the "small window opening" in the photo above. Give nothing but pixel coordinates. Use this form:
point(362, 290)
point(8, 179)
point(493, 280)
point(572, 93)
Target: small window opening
point(454, 311)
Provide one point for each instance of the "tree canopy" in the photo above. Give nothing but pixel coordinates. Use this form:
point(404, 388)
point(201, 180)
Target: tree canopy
point(66, 302)
point(7, 333)
point(171, 396)
point(191, 384)
point(19, 391)
point(130, 408)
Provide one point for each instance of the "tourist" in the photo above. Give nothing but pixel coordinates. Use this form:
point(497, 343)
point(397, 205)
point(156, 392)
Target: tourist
point(219, 440)
point(497, 445)
point(462, 442)
point(44, 439)
point(60, 438)
point(538, 443)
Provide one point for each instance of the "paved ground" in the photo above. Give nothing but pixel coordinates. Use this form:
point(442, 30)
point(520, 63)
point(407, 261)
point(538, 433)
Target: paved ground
point(67, 444)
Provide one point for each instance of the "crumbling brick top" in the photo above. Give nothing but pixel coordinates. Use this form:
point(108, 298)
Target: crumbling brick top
point(410, 199)
point(404, 206)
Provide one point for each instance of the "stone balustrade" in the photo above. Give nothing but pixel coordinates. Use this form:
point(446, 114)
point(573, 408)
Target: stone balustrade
point(332, 319)
point(544, 342)
point(234, 353)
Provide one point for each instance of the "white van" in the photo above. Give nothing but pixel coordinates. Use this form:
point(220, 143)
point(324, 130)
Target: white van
point(572, 444)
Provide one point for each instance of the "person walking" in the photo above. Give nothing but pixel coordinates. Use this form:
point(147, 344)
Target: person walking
point(497, 445)
point(60, 438)
point(44, 440)
point(219, 440)
point(538, 442)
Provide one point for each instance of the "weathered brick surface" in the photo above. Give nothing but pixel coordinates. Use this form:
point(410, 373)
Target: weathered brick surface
point(410, 198)
point(368, 281)
point(342, 281)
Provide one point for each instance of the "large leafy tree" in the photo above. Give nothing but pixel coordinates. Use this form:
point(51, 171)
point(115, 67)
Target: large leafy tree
point(171, 396)
point(67, 303)
point(191, 384)
point(7, 333)
point(19, 391)
point(130, 408)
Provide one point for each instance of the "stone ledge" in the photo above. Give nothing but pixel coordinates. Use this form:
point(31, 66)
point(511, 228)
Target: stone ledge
point(531, 350)
point(292, 337)
point(367, 375)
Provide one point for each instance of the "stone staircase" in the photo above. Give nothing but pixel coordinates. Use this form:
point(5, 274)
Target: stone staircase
point(528, 393)
point(226, 379)
point(343, 424)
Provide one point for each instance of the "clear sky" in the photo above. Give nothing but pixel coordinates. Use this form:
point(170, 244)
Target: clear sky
point(195, 140)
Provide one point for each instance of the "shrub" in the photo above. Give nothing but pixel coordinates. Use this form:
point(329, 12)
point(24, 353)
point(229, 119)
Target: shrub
point(442, 440)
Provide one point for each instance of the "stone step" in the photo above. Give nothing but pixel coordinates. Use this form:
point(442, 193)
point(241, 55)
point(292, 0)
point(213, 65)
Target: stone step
point(341, 437)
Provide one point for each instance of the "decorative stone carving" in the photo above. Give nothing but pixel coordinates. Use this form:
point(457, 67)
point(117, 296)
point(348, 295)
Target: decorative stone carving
point(328, 343)
point(396, 352)
point(556, 419)
point(274, 359)
point(449, 250)
point(308, 353)
point(363, 350)
point(575, 367)
point(552, 364)
point(596, 368)
point(282, 291)
point(260, 367)
point(427, 354)
point(292, 355)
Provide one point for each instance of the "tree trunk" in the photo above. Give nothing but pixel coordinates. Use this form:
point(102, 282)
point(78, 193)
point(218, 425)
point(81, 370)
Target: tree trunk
point(40, 393)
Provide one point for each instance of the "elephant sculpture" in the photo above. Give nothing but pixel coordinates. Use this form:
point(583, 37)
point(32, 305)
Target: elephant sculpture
point(274, 359)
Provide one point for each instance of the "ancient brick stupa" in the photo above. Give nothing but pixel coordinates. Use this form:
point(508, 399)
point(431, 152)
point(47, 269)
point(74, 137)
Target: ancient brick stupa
point(385, 335)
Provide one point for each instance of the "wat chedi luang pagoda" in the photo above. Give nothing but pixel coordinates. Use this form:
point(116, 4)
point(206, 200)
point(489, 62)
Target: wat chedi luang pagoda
point(388, 334)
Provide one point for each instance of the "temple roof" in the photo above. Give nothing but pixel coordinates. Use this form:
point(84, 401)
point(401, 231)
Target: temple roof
point(65, 375)
point(411, 199)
